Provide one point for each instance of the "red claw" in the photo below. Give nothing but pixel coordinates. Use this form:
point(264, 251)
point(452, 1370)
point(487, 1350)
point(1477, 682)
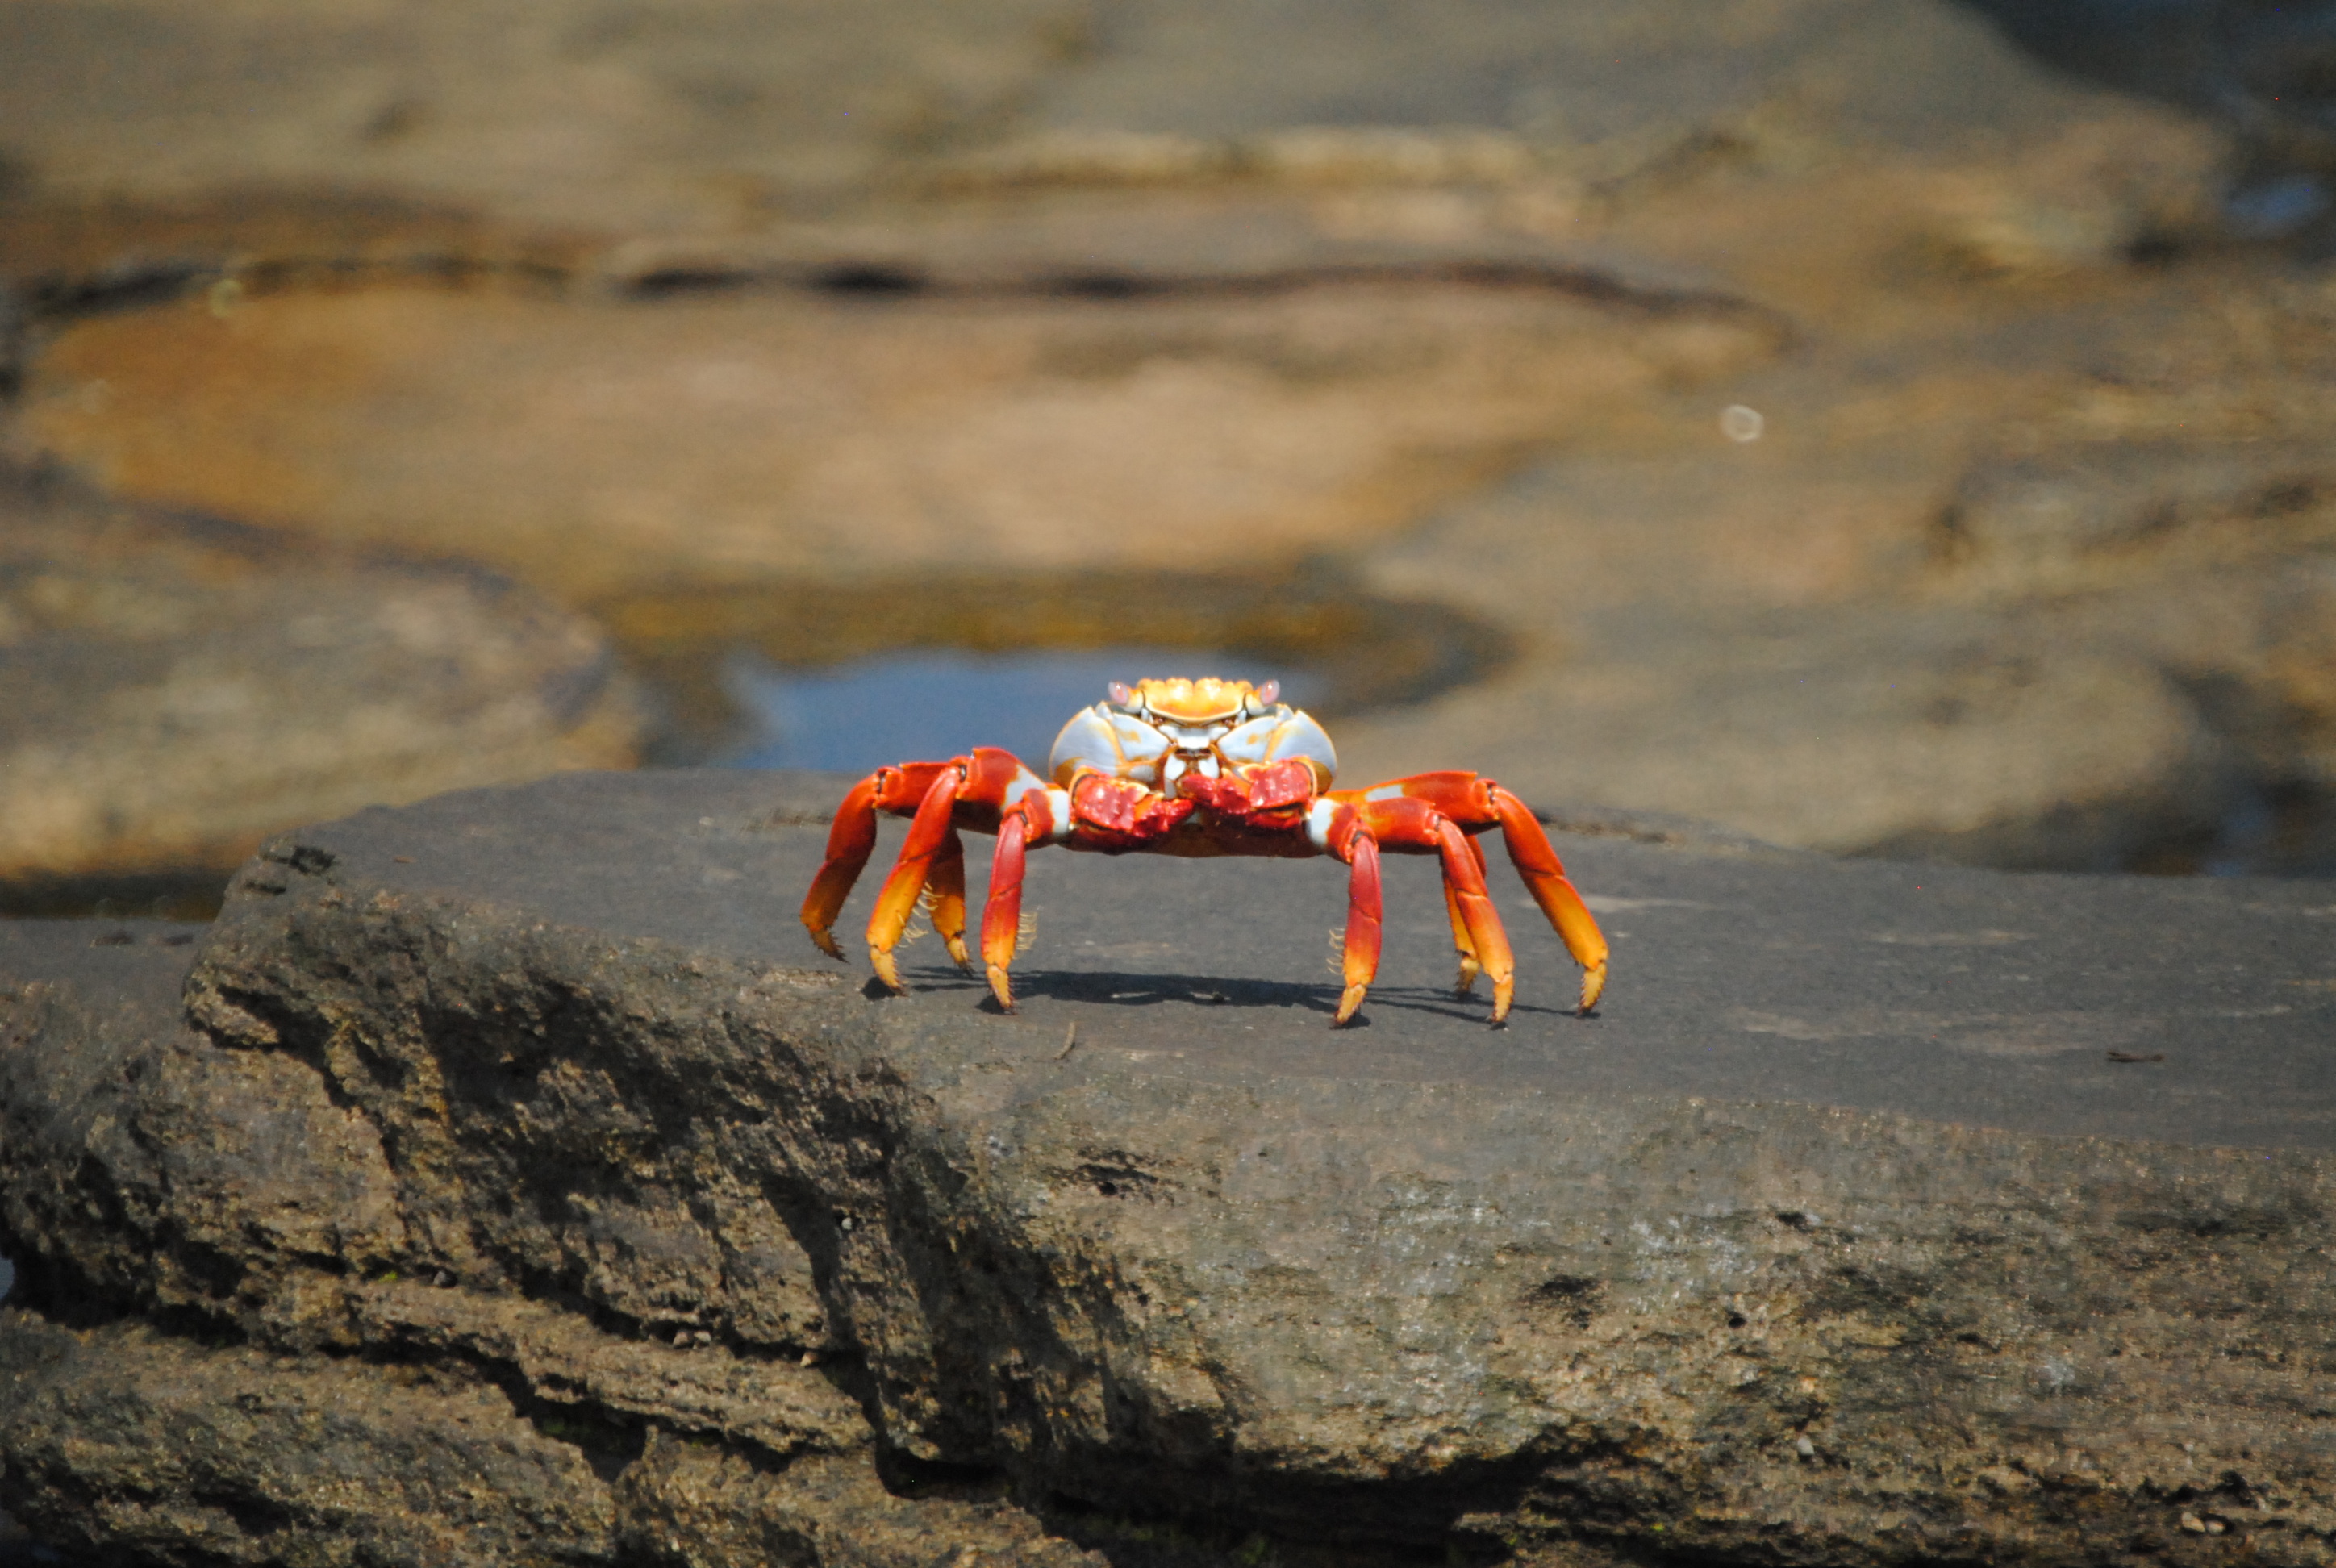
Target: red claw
point(1120, 813)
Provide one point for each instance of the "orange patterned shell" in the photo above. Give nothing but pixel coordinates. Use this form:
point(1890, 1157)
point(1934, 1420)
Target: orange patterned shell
point(1195, 701)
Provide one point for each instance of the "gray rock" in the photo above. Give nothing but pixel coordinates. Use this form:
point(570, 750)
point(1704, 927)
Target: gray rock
point(1883, 1212)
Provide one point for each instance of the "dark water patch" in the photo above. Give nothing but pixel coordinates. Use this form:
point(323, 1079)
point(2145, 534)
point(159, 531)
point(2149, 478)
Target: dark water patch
point(777, 675)
point(2273, 830)
point(178, 894)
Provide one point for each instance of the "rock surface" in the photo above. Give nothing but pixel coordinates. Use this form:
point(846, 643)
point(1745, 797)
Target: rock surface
point(2016, 552)
point(172, 689)
point(1458, 298)
point(1884, 1213)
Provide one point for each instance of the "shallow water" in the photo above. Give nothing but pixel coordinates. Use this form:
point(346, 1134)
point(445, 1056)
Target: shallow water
point(925, 704)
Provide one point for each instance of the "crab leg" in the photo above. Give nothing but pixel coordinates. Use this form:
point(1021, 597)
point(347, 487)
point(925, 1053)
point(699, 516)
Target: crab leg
point(931, 835)
point(1360, 961)
point(945, 896)
point(852, 839)
point(1001, 917)
point(1464, 882)
point(1544, 877)
point(1470, 965)
point(1474, 804)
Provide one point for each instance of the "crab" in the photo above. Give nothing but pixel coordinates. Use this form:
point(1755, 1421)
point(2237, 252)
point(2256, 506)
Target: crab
point(1199, 768)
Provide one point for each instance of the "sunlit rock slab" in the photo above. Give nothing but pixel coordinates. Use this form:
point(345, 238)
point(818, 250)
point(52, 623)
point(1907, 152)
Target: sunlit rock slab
point(726, 121)
point(589, 447)
point(1744, 974)
point(1840, 1212)
point(173, 688)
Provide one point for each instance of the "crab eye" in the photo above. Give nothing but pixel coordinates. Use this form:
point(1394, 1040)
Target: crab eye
point(1121, 693)
point(1269, 694)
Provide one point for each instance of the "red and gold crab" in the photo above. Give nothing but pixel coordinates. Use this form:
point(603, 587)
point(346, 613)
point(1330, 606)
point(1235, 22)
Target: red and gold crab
point(1192, 767)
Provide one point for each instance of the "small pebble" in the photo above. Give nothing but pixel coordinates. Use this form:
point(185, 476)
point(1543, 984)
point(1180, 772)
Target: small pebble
point(2191, 1523)
point(1804, 1448)
point(702, 1337)
point(681, 1339)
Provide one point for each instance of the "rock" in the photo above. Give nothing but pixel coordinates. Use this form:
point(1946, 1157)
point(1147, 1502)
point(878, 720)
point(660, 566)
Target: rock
point(714, 120)
point(629, 307)
point(589, 448)
point(179, 687)
point(440, 1421)
point(1882, 1211)
point(2026, 519)
point(1758, 686)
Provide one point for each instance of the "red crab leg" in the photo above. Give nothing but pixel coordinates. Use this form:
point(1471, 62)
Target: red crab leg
point(852, 839)
point(1360, 961)
point(1544, 877)
point(1464, 878)
point(1477, 804)
point(932, 832)
point(1029, 818)
point(945, 890)
point(1470, 965)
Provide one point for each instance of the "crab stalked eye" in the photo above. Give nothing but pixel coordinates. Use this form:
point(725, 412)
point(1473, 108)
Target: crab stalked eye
point(1269, 694)
point(1121, 693)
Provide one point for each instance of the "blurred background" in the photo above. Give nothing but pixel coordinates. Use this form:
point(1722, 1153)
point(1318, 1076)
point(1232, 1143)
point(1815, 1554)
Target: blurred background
point(1900, 427)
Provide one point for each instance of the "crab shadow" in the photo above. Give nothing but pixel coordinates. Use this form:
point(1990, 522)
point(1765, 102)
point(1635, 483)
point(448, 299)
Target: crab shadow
point(1117, 989)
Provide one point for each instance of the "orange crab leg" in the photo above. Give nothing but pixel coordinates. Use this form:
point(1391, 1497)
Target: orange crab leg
point(1001, 917)
point(1359, 960)
point(1475, 804)
point(850, 842)
point(1470, 967)
point(932, 834)
point(1464, 878)
point(945, 892)
point(1544, 877)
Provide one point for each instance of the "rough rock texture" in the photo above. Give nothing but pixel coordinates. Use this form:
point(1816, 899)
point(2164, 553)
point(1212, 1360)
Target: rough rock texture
point(1884, 1215)
point(172, 689)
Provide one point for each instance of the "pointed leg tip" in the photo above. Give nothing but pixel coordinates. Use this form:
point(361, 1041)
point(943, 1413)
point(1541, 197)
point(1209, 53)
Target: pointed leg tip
point(1350, 1002)
point(886, 971)
point(1593, 986)
point(1504, 993)
point(1001, 988)
point(825, 941)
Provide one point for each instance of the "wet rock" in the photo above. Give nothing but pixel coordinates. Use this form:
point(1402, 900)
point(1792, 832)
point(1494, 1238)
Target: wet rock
point(1460, 297)
point(2024, 1177)
point(176, 688)
point(592, 447)
point(719, 121)
point(2026, 518)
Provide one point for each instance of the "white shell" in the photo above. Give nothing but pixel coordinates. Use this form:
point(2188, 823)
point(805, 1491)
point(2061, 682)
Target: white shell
point(1285, 735)
point(1102, 739)
point(1109, 739)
